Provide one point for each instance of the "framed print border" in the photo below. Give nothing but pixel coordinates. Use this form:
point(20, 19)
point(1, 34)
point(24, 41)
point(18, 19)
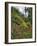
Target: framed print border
point(6, 22)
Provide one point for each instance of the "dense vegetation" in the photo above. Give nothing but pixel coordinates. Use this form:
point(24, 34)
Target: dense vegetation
point(21, 27)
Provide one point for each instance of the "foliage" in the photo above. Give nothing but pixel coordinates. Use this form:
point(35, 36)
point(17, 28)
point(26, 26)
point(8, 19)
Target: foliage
point(21, 26)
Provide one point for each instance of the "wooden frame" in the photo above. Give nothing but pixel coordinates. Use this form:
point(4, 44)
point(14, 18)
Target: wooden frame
point(6, 22)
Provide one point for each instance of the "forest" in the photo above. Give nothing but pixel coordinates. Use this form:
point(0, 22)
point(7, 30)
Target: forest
point(21, 26)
